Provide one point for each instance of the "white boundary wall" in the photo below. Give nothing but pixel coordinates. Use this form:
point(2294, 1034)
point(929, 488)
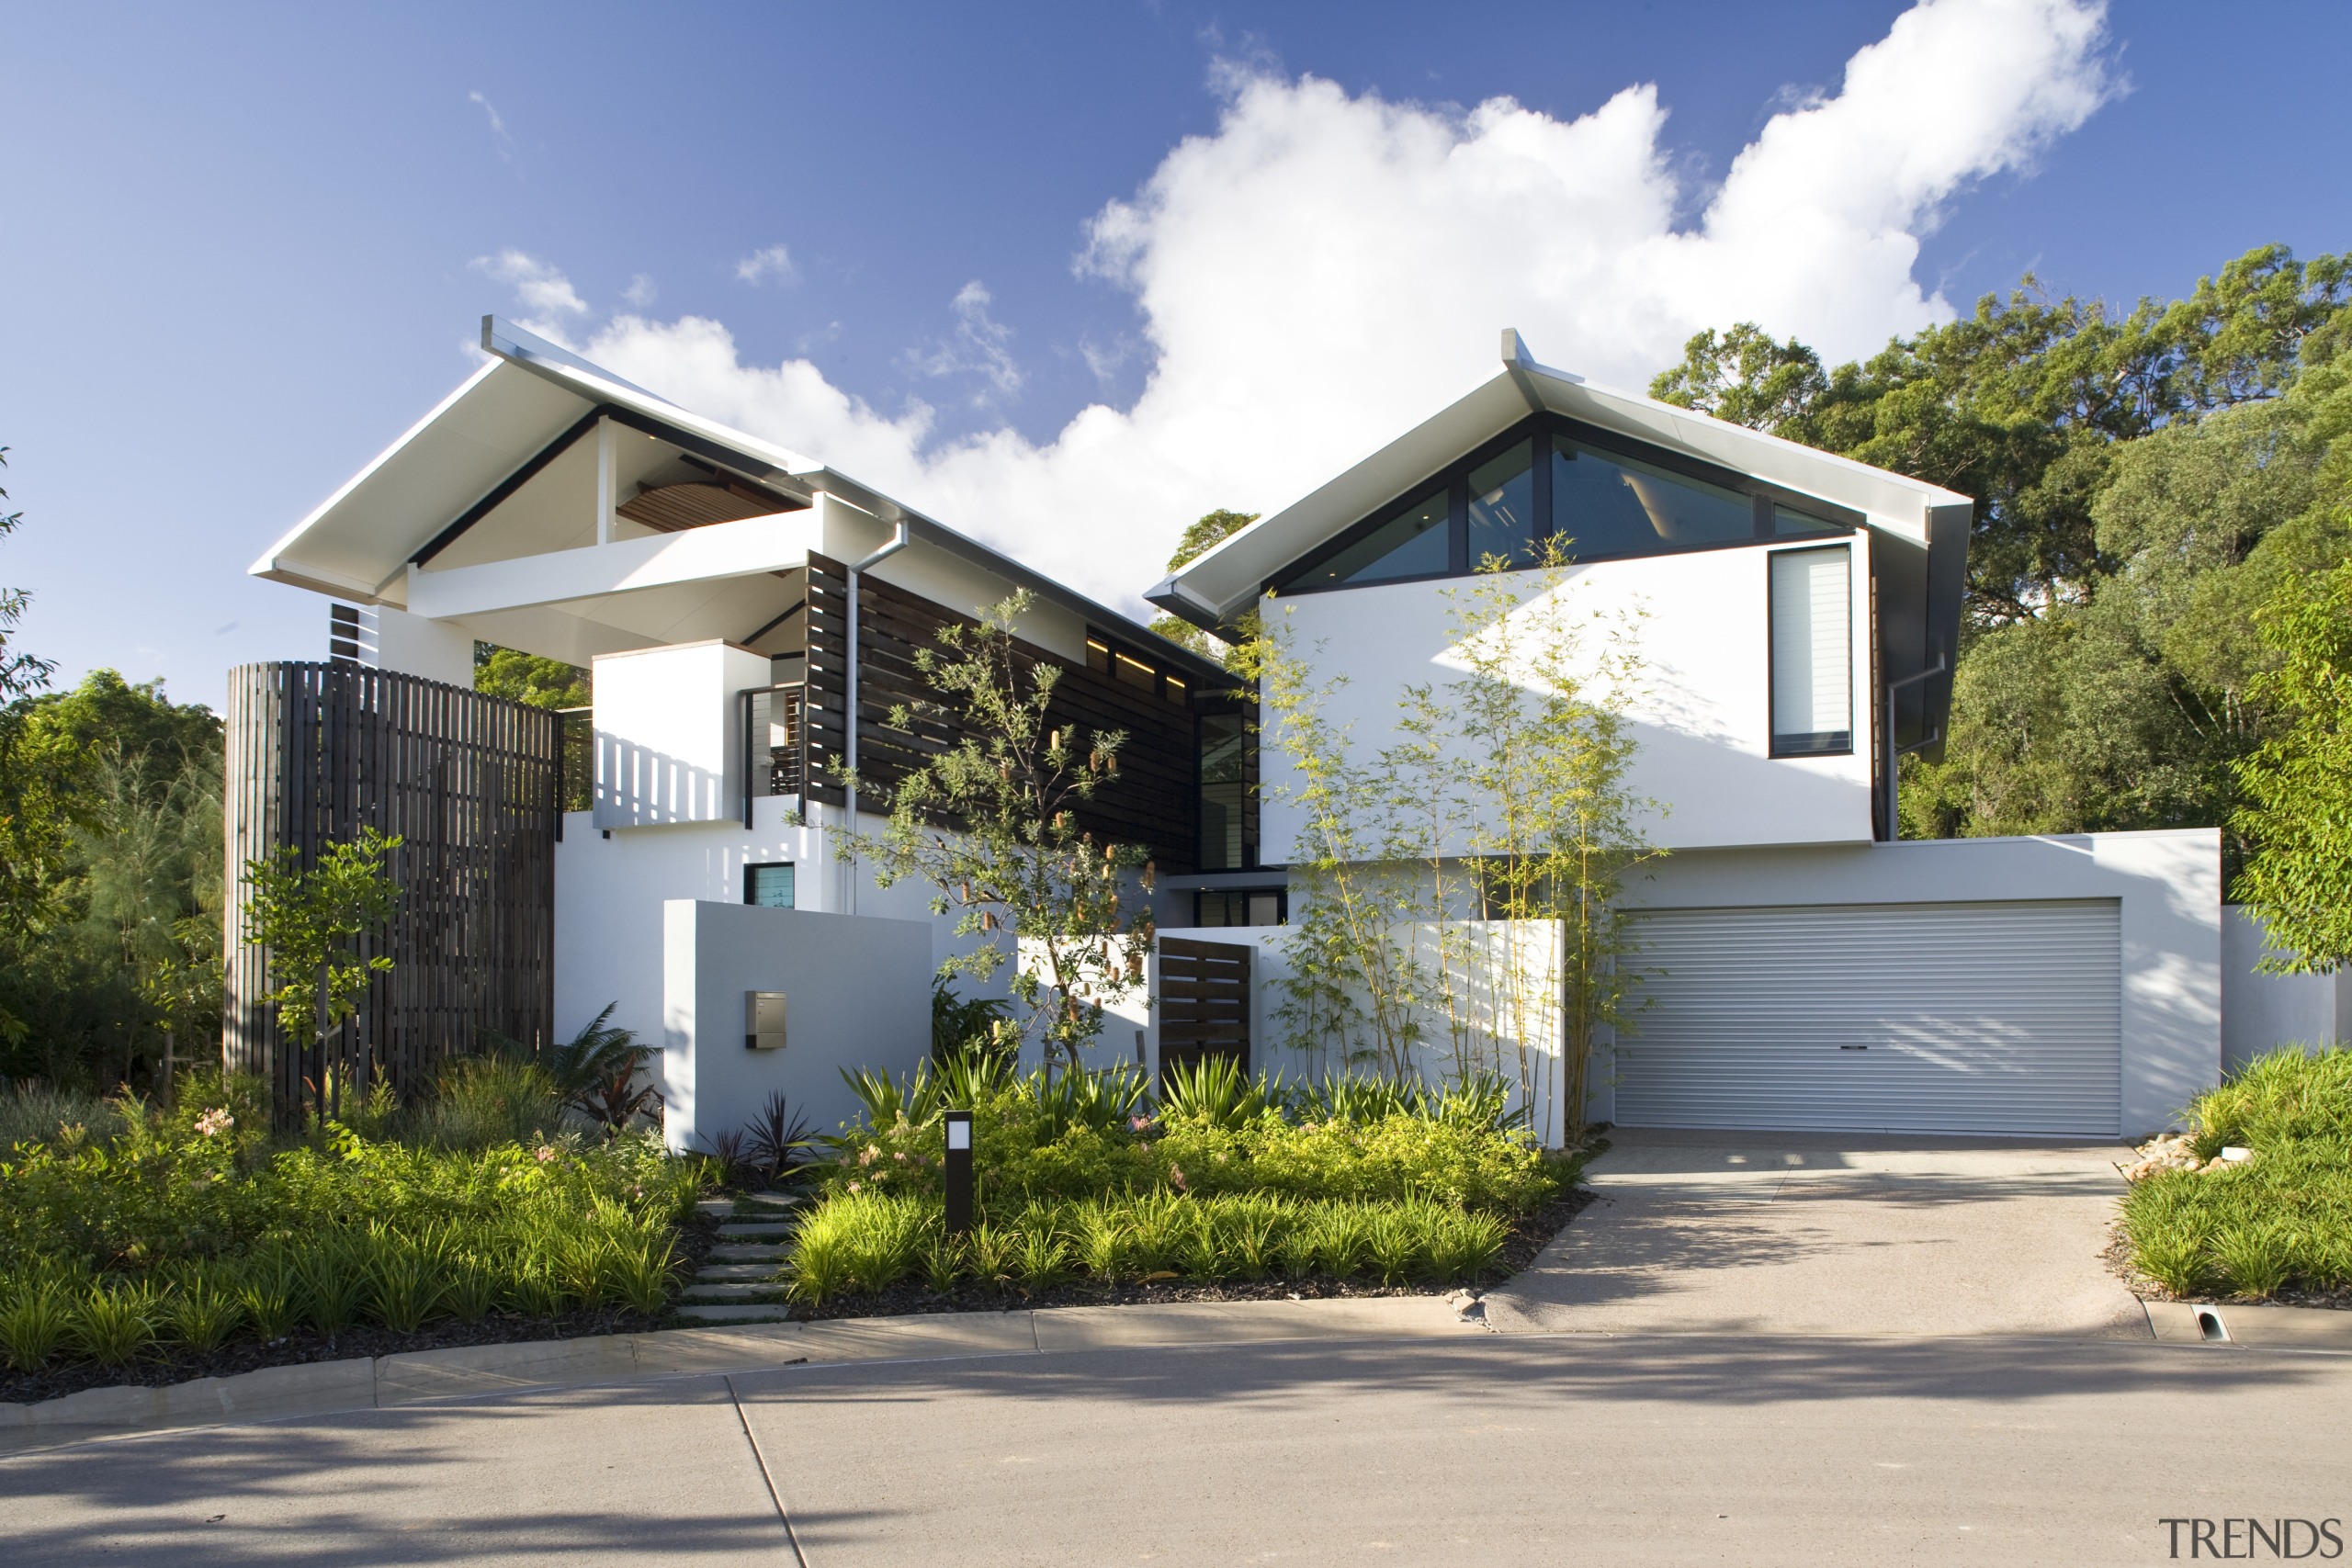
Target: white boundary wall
point(610, 894)
point(858, 993)
point(2261, 1013)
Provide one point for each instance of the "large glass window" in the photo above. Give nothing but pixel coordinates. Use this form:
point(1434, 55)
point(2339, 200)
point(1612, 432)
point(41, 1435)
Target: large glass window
point(1607, 505)
point(1223, 784)
point(1813, 642)
point(1558, 482)
point(1503, 525)
point(1415, 542)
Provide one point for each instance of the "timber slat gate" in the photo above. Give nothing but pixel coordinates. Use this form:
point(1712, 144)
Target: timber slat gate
point(469, 784)
point(1204, 1003)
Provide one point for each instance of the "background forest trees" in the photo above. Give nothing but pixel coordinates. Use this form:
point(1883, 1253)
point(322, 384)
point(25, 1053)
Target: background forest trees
point(2147, 483)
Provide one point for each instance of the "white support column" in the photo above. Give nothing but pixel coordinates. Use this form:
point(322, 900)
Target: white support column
point(605, 501)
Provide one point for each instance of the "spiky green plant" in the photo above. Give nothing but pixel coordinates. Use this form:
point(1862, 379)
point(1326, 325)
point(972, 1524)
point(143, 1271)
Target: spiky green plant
point(201, 1313)
point(112, 1325)
point(34, 1323)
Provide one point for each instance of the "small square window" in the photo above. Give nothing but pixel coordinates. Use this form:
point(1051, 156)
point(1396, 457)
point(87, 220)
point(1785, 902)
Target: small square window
point(768, 886)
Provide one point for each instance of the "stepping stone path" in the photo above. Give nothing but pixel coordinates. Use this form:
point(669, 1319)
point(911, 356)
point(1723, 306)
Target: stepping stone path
point(737, 1280)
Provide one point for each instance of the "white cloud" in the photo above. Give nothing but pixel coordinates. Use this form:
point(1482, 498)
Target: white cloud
point(498, 135)
point(982, 346)
point(640, 292)
point(1324, 270)
point(770, 261)
point(538, 286)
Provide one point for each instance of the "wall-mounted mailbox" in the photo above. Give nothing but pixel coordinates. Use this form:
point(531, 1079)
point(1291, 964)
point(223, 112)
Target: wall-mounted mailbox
point(763, 1021)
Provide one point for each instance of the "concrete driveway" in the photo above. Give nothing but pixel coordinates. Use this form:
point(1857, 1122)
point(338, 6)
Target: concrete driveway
point(1800, 1233)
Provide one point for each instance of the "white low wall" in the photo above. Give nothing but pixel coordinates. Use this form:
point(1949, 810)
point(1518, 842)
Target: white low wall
point(858, 993)
point(2167, 884)
point(609, 893)
point(2261, 1013)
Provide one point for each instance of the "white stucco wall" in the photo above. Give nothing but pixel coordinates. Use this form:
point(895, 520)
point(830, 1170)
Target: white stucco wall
point(857, 992)
point(2169, 886)
point(1702, 721)
point(669, 736)
point(610, 891)
point(2261, 1013)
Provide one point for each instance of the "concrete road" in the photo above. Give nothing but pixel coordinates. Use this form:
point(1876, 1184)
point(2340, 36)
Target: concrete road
point(1833, 1233)
point(1486, 1449)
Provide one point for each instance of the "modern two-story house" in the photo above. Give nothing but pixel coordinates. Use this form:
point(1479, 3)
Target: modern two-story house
point(750, 615)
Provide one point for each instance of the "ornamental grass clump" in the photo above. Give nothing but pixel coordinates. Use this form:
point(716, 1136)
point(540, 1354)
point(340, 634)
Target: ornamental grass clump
point(2279, 1220)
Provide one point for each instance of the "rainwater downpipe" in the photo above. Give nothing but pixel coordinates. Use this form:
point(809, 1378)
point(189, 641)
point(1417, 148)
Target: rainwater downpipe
point(898, 542)
point(1894, 754)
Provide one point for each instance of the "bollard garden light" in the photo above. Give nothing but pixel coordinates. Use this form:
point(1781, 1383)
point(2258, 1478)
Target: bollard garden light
point(958, 1172)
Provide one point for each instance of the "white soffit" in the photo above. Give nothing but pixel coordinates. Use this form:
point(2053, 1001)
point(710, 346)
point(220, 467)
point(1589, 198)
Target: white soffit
point(1226, 579)
point(359, 539)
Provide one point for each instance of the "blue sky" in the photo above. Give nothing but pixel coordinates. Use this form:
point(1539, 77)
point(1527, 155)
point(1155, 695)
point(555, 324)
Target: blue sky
point(246, 245)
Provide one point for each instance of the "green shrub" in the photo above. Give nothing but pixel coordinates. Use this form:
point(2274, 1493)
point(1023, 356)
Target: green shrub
point(406, 1281)
point(35, 1322)
point(2282, 1218)
point(268, 1289)
point(644, 1275)
point(470, 1289)
point(2256, 1260)
point(112, 1325)
point(201, 1313)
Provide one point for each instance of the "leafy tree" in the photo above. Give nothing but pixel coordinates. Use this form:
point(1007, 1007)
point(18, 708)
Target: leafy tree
point(20, 672)
point(2019, 404)
point(1205, 534)
point(315, 923)
point(1742, 376)
point(527, 678)
point(991, 821)
point(2299, 783)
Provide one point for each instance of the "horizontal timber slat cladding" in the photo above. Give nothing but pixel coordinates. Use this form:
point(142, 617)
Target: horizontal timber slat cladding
point(1153, 799)
point(1202, 1003)
point(469, 783)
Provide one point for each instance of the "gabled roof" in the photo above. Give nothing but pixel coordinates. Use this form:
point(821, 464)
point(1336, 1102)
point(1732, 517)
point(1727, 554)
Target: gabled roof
point(455, 464)
point(1227, 581)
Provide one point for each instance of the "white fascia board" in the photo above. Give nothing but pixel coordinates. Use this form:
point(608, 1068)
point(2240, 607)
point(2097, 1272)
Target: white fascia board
point(742, 548)
point(1889, 499)
point(272, 566)
point(566, 369)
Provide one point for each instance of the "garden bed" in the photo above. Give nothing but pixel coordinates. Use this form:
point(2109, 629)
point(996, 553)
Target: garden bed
point(2270, 1219)
point(1224, 1188)
point(1528, 1237)
point(144, 1246)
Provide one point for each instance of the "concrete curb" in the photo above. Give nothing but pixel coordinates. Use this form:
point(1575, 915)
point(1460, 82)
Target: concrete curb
point(2247, 1324)
point(474, 1372)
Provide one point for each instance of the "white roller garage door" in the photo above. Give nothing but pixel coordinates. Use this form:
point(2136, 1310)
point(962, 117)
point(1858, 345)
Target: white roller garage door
point(1956, 1018)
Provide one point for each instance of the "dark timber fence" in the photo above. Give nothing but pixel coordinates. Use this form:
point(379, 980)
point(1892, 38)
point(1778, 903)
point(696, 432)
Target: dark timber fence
point(469, 783)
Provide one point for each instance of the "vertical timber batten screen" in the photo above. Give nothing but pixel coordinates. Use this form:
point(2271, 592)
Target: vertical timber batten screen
point(469, 783)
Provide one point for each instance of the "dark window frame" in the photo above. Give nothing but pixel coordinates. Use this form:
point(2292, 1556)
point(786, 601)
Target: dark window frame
point(1454, 480)
point(1772, 746)
point(751, 882)
point(1280, 895)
